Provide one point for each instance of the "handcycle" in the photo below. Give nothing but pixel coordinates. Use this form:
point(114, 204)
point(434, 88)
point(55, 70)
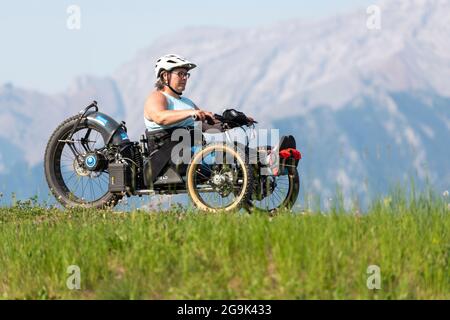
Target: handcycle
point(90, 162)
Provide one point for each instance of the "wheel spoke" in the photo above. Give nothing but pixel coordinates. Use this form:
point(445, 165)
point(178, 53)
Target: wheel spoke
point(83, 185)
point(279, 196)
point(221, 195)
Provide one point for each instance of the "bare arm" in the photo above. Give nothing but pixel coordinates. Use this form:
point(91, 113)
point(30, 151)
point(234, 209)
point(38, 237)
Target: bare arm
point(155, 109)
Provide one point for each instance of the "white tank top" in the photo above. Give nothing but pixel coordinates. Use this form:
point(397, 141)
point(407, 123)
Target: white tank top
point(173, 104)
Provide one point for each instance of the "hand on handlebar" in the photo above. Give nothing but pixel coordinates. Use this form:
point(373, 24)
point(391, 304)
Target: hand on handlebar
point(200, 115)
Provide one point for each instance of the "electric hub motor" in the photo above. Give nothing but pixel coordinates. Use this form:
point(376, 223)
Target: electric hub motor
point(94, 161)
point(91, 161)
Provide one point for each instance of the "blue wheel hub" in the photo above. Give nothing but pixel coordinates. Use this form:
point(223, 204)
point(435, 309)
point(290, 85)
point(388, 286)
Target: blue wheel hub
point(91, 161)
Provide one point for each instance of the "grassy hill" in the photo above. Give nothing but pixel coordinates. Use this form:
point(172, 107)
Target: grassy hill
point(194, 255)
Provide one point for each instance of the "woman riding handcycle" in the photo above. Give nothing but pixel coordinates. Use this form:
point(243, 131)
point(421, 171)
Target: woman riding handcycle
point(90, 161)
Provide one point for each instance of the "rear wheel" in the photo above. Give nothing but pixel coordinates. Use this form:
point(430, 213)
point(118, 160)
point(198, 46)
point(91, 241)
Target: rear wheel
point(77, 170)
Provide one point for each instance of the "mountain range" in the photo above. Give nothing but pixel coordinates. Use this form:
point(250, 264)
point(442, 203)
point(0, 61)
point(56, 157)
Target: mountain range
point(369, 108)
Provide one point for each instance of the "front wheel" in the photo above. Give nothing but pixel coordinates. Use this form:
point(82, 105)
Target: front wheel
point(219, 179)
point(272, 193)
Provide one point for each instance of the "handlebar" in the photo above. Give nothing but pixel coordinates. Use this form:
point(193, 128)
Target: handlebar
point(223, 120)
point(229, 122)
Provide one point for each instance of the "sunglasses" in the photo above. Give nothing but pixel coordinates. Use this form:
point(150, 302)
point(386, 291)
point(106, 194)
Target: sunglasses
point(182, 74)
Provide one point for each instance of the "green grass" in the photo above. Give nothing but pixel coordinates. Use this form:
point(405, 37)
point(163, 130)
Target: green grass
point(195, 255)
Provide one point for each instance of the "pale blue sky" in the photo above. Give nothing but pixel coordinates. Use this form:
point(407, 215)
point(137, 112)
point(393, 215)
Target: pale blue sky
point(37, 51)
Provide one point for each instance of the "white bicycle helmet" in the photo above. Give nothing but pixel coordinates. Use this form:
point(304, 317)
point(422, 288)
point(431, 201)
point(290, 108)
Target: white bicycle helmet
point(172, 61)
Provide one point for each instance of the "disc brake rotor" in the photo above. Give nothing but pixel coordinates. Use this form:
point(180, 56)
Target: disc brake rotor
point(222, 182)
point(80, 170)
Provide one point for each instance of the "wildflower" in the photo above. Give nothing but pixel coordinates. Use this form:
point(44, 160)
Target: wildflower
point(445, 193)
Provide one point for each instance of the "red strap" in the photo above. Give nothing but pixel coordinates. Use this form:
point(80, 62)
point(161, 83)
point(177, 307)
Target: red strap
point(297, 155)
point(286, 153)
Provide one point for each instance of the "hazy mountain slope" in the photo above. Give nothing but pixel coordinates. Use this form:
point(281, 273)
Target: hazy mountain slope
point(368, 107)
